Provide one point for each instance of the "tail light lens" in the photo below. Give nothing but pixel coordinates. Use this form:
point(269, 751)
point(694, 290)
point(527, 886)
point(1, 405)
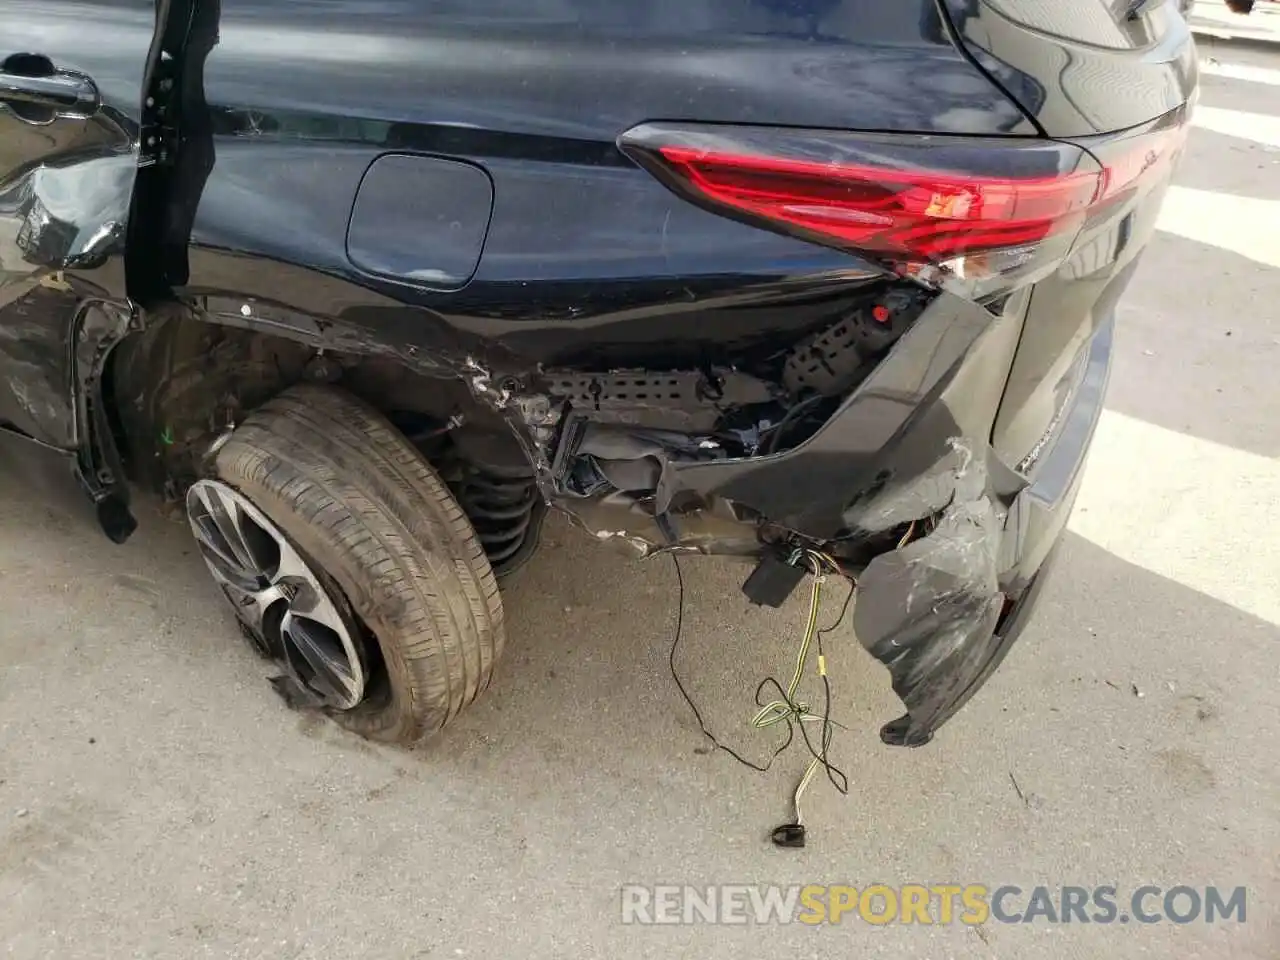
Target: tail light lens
point(924, 215)
point(974, 209)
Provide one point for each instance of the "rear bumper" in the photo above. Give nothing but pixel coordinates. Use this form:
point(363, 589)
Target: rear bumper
point(911, 445)
point(943, 612)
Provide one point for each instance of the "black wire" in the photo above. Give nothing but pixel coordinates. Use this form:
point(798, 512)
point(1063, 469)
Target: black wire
point(697, 714)
point(791, 416)
point(838, 778)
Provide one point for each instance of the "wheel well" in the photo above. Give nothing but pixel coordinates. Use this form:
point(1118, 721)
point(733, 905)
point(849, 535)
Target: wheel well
point(175, 385)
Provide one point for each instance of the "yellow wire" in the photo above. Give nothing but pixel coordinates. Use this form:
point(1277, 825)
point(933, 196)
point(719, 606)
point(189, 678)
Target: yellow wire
point(907, 536)
point(831, 562)
point(777, 711)
point(809, 771)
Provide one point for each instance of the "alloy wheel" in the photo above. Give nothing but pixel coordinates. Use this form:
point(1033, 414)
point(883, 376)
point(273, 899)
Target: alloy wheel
point(285, 607)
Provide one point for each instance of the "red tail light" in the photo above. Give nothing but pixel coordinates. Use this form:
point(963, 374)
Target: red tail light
point(926, 215)
point(914, 201)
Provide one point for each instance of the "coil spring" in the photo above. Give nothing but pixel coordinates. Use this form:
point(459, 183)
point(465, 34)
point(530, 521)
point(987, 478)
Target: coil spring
point(505, 508)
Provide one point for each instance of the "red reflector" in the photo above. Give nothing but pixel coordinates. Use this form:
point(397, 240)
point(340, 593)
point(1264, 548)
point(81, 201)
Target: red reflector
point(903, 214)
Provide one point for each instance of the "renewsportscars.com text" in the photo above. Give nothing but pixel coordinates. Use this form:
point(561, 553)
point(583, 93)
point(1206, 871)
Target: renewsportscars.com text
point(969, 904)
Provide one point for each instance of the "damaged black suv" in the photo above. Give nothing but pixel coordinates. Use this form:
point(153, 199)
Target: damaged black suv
point(366, 288)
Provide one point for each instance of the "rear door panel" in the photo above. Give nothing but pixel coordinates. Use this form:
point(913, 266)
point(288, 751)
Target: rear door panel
point(65, 183)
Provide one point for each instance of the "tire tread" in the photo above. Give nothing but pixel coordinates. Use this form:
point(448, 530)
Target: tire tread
point(352, 492)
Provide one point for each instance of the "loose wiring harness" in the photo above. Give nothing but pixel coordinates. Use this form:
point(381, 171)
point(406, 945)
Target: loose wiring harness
point(785, 709)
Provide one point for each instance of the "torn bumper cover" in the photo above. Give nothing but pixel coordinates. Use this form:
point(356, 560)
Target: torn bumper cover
point(930, 609)
point(911, 443)
point(942, 612)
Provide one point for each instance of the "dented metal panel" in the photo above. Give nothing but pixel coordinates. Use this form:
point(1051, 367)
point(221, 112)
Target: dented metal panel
point(62, 225)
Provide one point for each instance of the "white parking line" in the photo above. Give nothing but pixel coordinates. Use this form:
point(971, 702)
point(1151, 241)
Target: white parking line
point(1197, 512)
point(1239, 71)
point(1243, 225)
point(1259, 127)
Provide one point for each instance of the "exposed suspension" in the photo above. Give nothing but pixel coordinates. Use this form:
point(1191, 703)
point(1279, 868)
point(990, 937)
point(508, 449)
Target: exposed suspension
point(495, 486)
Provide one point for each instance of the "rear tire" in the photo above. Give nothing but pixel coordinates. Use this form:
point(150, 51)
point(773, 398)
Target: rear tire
point(360, 502)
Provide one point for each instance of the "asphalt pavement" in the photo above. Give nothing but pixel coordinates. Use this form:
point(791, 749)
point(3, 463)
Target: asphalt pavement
point(158, 800)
